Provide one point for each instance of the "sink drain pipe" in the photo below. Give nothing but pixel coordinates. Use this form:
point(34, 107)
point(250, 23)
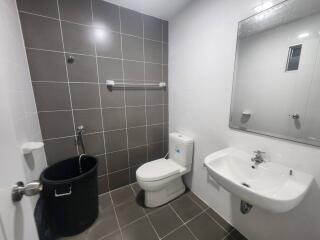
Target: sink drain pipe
point(245, 207)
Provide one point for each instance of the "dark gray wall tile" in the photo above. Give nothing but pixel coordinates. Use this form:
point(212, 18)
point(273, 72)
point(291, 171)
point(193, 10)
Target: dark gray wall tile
point(153, 72)
point(102, 165)
point(47, 8)
point(136, 116)
point(166, 113)
point(103, 184)
point(56, 124)
point(135, 97)
point(165, 53)
point(166, 132)
point(83, 69)
point(47, 66)
point(133, 177)
point(50, 37)
point(109, 69)
point(131, 22)
point(155, 151)
point(117, 161)
point(90, 119)
point(106, 15)
point(78, 11)
point(165, 73)
point(111, 98)
point(110, 45)
point(152, 28)
point(60, 149)
point(137, 137)
point(133, 71)
point(154, 97)
point(118, 179)
point(83, 39)
point(132, 48)
point(165, 26)
point(94, 144)
point(51, 96)
point(154, 114)
point(78, 38)
point(165, 96)
point(155, 133)
point(114, 118)
point(153, 51)
point(84, 95)
point(116, 140)
point(138, 156)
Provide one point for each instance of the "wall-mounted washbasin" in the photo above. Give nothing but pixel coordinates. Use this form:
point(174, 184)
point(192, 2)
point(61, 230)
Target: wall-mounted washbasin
point(267, 185)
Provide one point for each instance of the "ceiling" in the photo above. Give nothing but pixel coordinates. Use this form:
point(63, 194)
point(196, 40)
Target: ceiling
point(164, 9)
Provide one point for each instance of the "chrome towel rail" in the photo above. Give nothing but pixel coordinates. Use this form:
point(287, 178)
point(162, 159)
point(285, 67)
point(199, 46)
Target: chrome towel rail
point(118, 85)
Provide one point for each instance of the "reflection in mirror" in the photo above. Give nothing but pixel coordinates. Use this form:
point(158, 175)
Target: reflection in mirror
point(276, 89)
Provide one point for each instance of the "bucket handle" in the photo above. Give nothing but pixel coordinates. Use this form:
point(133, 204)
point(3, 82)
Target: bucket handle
point(63, 194)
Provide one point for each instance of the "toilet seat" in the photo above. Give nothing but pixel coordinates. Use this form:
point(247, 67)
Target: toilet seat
point(158, 170)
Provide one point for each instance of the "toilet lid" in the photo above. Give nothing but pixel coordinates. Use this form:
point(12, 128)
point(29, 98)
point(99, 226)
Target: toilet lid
point(157, 170)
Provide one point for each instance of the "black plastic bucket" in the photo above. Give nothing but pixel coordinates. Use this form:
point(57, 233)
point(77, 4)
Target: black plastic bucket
point(70, 190)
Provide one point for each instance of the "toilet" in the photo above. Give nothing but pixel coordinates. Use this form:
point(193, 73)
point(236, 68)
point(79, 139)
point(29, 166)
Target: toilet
point(162, 179)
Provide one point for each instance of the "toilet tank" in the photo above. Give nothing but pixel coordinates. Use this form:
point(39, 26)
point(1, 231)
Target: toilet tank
point(181, 149)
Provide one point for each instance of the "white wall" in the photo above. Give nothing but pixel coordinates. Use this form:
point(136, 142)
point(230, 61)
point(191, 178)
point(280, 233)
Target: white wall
point(18, 124)
point(201, 57)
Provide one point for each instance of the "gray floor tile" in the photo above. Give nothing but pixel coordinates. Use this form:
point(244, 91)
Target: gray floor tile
point(113, 236)
point(122, 195)
point(140, 230)
point(197, 200)
point(186, 208)
point(104, 225)
point(165, 221)
point(129, 212)
point(136, 188)
point(236, 235)
point(180, 234)
point(204, 228)
point(223, 223)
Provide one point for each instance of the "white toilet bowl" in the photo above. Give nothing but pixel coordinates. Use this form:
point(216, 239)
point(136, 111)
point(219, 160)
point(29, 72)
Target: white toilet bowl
point(161, 180)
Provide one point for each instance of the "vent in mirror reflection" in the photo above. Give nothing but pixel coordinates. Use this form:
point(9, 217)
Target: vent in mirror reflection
point(294, 58)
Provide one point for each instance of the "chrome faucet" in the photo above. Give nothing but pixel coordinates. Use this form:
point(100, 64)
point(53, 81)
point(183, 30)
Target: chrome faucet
point(258, 159)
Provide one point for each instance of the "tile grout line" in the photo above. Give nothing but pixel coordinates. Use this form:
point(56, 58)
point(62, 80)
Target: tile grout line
point(164, 89)
point(67, 72)
point(89, 55)
point(106, 108)
point(114, 210)
point(100, 102)
point(114, 130)
point(124, 95)
point(145, 90)
point(86, 25)
point(185, 223)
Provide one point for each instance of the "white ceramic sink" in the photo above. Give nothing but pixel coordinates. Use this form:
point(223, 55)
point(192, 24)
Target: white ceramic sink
point(270, 185)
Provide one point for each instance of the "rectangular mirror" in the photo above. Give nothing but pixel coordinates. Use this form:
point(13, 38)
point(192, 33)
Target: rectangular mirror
point(276, 88)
